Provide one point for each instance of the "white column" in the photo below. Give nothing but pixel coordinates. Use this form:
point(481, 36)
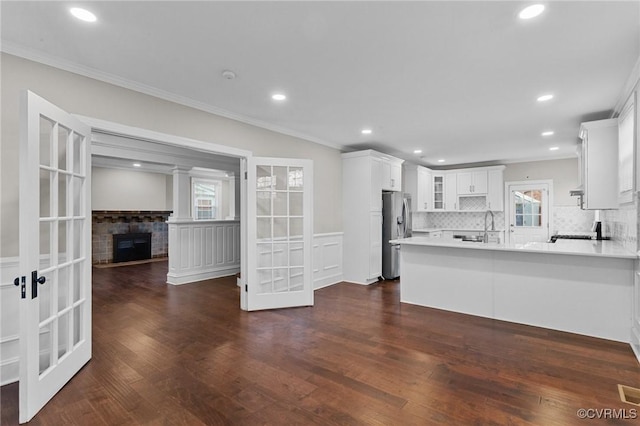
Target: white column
point(181, 195)
point(233, 214)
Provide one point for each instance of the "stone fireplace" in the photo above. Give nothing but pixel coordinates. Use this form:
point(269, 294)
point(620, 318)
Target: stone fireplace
point(107, 223)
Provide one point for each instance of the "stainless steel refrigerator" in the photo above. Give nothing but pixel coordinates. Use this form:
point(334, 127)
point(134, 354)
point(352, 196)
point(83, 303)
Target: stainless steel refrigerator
point(396, 223)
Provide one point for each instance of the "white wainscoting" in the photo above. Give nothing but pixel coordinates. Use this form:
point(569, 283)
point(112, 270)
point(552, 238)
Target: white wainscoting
point(327, 259)
point(9, 330)
point(201, 250)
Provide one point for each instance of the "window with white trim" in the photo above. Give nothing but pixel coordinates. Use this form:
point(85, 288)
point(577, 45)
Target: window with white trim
point(205, 195)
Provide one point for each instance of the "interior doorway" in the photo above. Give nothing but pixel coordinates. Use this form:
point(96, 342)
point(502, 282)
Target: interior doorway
point(147, 187)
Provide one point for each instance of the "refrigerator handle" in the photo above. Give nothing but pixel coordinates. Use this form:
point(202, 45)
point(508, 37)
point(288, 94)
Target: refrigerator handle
point(404, 217)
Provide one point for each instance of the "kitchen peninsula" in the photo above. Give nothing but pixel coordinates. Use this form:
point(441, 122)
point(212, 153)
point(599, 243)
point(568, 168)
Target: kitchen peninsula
point(582, 287)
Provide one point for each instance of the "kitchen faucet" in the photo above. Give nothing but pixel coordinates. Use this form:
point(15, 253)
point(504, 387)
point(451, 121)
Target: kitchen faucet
point(485, 237)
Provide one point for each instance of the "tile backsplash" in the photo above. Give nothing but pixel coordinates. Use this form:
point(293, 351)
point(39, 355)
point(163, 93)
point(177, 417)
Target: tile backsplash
point(622, 224)
point(455, 220)
point(571, 219)
point(565, 219)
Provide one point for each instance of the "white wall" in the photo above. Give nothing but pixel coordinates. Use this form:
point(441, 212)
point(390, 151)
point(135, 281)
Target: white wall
point(117, 189)
point(89, 97)
point(564, 174)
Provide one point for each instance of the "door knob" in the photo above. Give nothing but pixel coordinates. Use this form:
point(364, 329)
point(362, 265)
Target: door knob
point(35, 280)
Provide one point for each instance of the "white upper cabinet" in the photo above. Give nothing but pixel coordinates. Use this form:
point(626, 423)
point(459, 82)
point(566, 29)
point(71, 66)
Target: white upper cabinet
point(472, 182)
point(598, 164)
point(495, 189)
point(391, 173)
point(626, 143)
point(418, 183)
point(424, 189)
point(450, 192)
point(438, 191)
point(445, 196)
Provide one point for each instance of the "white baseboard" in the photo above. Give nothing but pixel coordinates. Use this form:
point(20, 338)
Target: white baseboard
point(9, 371)
point(179, 279)
point(368, 282)
point(326, 281)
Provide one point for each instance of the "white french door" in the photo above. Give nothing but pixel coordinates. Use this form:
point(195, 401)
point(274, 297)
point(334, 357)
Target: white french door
point(529, 212)
point(279, 233)
point(55, 251)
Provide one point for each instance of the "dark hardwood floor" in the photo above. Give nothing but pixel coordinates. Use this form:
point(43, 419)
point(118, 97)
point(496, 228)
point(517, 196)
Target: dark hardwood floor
point(188, 355)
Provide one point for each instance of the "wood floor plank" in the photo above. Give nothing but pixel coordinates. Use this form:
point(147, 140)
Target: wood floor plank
point(187, 355)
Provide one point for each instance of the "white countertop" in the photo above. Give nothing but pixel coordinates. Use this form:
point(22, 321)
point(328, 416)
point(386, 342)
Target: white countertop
point(568, 247)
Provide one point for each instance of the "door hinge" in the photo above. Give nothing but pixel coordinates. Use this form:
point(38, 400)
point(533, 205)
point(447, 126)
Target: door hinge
point(246, 288)
point(245, 175)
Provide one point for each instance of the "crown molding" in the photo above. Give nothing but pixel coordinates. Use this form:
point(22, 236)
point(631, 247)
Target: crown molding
point(93, 73)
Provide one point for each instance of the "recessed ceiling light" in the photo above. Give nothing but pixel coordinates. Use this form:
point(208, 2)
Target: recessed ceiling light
point(366, 131)
point(137, 165)
point(554, 148)
point(417, 151)
point(83, 14)
point(441, 160)
point(548, 133)
point(545, 98)
point(228, 74)
point(279, 97)
point(531, 11)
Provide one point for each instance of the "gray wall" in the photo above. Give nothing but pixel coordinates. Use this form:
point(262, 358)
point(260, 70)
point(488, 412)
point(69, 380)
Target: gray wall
point(116, 189)
point(564, 174)
point(89, 97)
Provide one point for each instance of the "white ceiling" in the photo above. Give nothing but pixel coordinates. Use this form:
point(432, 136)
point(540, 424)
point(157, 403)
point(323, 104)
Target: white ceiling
point(458, 80)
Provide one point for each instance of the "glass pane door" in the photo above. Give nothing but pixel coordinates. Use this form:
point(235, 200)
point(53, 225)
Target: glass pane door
point(279, 233)
point(55, 315)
